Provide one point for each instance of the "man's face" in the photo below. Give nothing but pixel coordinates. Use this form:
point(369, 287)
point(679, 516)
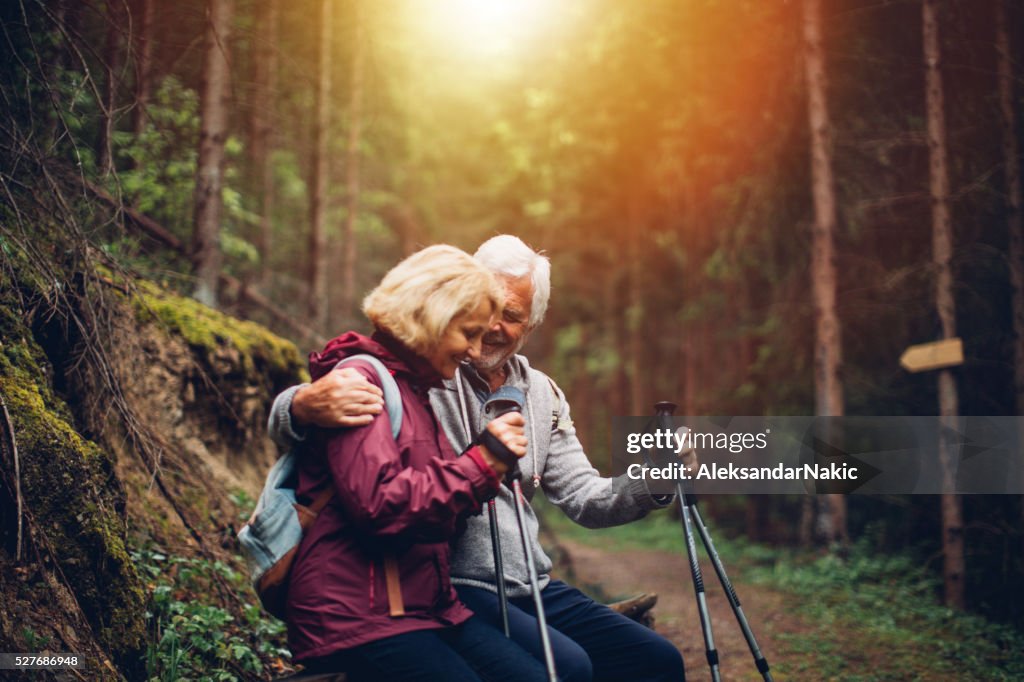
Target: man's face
point(510, 331)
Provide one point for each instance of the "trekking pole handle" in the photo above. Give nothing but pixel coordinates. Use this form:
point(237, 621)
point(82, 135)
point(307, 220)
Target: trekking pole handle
point(506, 399)
point(665, 410)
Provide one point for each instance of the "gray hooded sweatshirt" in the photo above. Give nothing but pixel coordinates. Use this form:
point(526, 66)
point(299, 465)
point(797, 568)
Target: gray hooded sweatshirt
point(554, 461)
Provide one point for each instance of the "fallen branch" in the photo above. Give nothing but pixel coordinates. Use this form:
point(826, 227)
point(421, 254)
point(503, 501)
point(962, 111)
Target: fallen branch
point(244, 292)
point(638, 608)
point(141, 221)
point(247, 293)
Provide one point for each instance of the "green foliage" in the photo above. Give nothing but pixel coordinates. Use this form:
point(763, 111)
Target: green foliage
point(191, 638)
point(160, 163)
point(159, 172)
point(33, 641)
point(873, 613)
point(893, 600)
point(245, 503)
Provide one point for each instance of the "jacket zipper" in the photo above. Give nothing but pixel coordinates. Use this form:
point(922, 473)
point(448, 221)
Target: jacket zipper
point(372, 582)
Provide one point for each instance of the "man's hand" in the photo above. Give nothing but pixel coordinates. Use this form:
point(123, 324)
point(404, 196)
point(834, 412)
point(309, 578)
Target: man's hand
point(342, 397)
point(509, 429)
point(688, 455)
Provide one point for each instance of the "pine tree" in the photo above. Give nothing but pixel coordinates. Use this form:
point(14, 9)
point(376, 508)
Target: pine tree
point(214, 107)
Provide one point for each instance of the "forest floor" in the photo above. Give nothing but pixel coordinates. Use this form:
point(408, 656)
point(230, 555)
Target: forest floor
point(625, 573)
point(814, 617)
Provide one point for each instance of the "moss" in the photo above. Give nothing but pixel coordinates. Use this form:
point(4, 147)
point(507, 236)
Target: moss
point(14, 339)
point(69, 490)
point(68, 482)
point(208, 331)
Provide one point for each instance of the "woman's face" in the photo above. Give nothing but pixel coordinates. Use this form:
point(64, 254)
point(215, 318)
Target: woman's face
point(461, 341)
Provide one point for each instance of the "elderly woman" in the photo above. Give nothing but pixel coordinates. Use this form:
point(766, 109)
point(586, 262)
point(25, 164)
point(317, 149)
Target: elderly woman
point(370, 592)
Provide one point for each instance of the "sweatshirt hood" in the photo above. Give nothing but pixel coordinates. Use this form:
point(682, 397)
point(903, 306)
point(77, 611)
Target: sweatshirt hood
point(394, 355)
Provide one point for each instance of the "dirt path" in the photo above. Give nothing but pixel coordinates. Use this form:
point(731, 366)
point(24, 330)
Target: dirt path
point(626, 573)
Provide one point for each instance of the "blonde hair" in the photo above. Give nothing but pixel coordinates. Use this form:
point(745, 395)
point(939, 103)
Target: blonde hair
point(419, 297)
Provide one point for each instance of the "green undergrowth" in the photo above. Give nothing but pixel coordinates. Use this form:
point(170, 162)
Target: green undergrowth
point(192, 636)
point(889, 605)
point(865, 617)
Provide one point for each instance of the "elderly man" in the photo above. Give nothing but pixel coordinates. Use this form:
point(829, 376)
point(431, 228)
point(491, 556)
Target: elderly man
point(589, 640)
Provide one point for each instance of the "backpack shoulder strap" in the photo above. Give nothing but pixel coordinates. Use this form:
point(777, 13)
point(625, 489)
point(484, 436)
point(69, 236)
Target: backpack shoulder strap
point(392, 402)
point(556, 402)
point(556, 407)
point(392, 398)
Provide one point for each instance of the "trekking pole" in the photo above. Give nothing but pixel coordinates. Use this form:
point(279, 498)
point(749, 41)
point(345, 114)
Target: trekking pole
point(531, 567)
point(510, 399)
point(664, 410)
point(688, 503)
point(734, 601)
point(500, 406)
point(499, 567)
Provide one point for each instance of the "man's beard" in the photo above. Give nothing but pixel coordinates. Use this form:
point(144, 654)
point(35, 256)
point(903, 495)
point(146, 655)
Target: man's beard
point(491, 360)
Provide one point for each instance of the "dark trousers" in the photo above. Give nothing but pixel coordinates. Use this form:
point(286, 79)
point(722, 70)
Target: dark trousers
point(471, 652)
point(589, 640)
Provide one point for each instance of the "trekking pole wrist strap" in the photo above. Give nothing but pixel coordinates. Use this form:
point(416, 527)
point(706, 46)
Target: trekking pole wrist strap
point(498, 449)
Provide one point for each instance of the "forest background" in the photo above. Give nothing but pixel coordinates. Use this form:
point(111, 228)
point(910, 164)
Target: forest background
point(751, 207)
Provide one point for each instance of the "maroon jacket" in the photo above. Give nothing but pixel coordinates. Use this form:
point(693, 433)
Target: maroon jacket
point(400, 500)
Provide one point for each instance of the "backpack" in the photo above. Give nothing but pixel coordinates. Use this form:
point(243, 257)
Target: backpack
point(272, 535)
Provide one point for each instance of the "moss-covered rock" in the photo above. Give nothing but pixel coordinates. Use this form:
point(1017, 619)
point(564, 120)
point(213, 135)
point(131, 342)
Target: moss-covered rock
point(210, 333)
point(70, 491)
point(140, 443)
point(228, 371)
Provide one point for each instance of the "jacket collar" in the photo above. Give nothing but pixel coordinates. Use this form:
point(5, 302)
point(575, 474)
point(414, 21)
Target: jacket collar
point(419, 369)
point(395, 355)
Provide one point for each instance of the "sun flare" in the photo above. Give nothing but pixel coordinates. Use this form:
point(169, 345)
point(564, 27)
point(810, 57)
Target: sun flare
point(484, 27)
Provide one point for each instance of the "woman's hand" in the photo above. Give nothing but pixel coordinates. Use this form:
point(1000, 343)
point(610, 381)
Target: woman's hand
point(509, 429)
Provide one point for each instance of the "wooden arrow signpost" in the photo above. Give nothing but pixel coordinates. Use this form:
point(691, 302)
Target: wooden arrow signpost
point(936, 355)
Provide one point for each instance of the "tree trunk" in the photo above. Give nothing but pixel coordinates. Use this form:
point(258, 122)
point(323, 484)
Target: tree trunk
point(261, 124)
point(615, 316)
point(942, 252)
point(583, 394)
point(113, 59)
point(355, 113)
point(403, 222)
point(690, 217)
point(757, 518)
point(143, 64)
point(213, 107)
point(828, 388)
point(688, 361)
point(67, 16)
point(636, 344)
point(745, 349)
point(1014, 217)
point(317, 279)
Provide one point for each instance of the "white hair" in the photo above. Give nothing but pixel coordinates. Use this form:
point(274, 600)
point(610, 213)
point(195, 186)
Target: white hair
point(509, 256)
